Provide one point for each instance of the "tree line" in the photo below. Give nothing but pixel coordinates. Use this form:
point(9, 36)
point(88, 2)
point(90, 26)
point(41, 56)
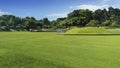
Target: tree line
point(85, 18)
point(11, 22)
point(109, 17)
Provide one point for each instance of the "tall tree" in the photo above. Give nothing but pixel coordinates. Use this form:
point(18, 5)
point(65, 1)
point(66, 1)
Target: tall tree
point(45, 22)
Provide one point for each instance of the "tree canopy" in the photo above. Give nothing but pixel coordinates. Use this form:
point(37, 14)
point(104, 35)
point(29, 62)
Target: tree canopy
point(80, 18)
point(86, 17)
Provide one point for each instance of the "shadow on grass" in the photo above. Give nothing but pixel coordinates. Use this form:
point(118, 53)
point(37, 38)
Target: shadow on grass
point(91, 34)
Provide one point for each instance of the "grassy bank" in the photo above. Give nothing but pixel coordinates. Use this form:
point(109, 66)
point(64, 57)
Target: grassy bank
point(93, 30)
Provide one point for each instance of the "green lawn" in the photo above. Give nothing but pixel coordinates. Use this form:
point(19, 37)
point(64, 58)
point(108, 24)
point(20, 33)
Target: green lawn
point(51, 50)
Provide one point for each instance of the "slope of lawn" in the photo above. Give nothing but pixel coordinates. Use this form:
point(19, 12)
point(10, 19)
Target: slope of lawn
point(51, 50)
point(93, 30)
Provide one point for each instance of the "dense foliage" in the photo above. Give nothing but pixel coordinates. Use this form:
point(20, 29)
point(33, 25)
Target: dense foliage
point(81, 18)
point(11, 22)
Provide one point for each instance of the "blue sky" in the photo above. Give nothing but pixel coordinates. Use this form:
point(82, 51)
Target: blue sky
point(51, 8)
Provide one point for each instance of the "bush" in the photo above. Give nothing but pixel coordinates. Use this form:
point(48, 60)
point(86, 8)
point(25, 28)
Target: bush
point(106, 23)
point(4, 28)
point(115, 24)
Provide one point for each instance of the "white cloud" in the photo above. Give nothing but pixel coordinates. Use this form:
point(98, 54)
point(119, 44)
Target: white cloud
point(90, 7)
point(4, 13)
point(84, 6)
point(101, 5)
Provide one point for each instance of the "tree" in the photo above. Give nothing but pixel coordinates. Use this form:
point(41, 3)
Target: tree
point(115, 18)
point(75, 13)
point(80, 17)
point(18, 21)
point(93, 23)
point(98, 15)
point(3, 23)
point(111, 11)
point(114, 24)
point(45, 23)
point(4, 28)
point(11, 23)
point(106, 23)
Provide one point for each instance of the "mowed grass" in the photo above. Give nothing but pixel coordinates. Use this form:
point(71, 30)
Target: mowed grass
point(51, 50)
point(93, 30)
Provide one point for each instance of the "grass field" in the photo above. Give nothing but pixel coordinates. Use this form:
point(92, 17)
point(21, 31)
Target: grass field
point(51, 50)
